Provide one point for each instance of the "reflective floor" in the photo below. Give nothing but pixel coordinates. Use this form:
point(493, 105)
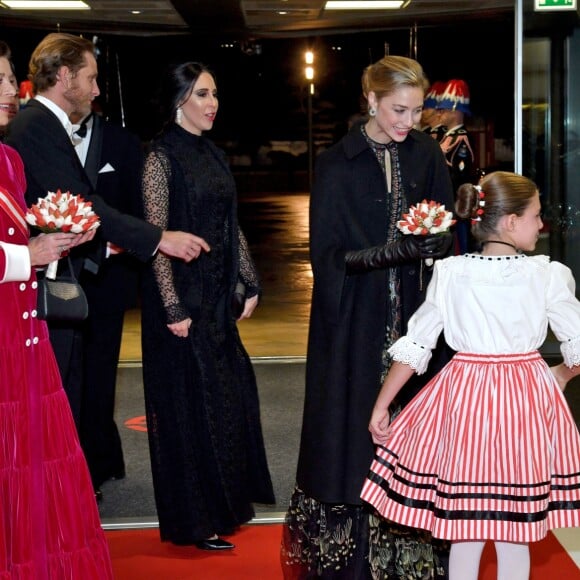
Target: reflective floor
point(276, 226)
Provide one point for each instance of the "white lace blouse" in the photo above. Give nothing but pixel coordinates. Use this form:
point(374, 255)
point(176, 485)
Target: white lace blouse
point(494, 305)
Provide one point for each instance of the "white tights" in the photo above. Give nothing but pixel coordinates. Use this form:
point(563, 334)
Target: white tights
point(513, 560)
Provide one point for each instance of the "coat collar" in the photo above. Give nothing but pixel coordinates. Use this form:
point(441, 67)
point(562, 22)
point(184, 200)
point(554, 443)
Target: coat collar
point(354, 142)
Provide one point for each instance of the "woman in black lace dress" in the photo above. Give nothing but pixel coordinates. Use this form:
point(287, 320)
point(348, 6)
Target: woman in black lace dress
point(203, 419)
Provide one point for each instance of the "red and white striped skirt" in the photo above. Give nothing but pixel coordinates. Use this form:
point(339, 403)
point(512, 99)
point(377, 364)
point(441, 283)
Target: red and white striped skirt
point(488, 450)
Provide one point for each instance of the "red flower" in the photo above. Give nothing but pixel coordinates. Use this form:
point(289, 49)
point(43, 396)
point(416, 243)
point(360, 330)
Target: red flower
point(62, 212)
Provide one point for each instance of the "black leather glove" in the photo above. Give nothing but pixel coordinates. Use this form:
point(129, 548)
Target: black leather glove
point(407, 249)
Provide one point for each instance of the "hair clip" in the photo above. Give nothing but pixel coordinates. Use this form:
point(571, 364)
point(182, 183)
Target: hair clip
point(479, 212)
point(481, 203)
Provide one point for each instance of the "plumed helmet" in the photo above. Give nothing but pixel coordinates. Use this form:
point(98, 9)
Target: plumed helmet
point(434, 95)
point(456, 97)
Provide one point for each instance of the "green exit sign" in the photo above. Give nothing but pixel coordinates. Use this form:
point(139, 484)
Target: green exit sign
point(555, 5)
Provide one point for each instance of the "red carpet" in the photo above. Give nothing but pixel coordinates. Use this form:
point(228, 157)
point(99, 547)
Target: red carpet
point(140, 554)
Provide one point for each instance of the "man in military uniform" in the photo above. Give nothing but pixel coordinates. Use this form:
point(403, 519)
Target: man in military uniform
point(457, 147)
point(431, 115)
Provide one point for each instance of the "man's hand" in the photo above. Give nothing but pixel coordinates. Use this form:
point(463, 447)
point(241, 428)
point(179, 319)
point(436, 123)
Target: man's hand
point(182, 245)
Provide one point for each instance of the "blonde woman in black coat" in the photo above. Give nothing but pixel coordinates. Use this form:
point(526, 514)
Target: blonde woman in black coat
point(368, 280)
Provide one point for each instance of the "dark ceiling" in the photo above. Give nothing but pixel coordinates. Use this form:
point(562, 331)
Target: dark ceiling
point(246, 19)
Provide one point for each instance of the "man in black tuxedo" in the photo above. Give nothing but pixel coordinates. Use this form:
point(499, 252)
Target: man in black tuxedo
point(63, 71)
point(112, 157)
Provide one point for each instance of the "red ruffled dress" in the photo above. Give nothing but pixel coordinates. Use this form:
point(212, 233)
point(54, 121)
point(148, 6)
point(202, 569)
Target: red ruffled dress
point(49, 521)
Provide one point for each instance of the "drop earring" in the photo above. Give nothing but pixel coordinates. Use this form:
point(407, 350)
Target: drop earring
point(372, 111)
point(178, 116)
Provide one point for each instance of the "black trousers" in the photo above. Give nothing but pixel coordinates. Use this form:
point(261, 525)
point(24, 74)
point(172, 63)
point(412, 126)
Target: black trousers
point(99, 434)
point(67, 343)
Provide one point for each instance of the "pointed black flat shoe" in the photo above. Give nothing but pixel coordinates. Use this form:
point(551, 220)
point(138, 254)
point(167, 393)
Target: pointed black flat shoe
point(214, 544)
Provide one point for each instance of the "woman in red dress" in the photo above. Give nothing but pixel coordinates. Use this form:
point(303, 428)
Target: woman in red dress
point(49, 521)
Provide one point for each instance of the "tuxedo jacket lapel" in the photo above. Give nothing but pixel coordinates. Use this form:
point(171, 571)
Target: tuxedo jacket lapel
point(63, 138)
point(93, 159)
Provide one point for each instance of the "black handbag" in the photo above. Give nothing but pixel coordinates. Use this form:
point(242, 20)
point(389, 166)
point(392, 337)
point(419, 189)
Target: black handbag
point(62, 298)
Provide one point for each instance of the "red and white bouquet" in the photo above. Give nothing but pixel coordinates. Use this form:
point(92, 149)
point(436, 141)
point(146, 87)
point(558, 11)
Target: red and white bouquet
point(427, 217)
point(62, 212)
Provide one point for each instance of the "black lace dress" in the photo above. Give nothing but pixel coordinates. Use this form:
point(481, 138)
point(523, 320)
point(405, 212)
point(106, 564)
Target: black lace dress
point(203, 419)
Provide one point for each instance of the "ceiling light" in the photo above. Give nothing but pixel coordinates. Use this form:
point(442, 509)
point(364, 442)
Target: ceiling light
point(46, 4)
point(365, 4)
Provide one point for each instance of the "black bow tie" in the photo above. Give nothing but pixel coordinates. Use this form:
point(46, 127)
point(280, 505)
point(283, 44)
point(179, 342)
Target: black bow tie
point(82, 130)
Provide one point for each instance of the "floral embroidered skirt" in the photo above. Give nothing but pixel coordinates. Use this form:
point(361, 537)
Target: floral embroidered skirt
point(347, 542)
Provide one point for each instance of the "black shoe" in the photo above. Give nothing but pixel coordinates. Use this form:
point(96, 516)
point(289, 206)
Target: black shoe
point(214, 544)
point(98, 495)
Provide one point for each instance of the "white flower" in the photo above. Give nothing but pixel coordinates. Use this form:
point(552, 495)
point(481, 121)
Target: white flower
point(427, 217)
point(62, 212)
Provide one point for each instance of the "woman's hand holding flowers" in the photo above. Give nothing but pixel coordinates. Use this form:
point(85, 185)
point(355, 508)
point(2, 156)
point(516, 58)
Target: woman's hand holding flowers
point(428, 246)
point(406, 249)
point(46, 248)
point(429, 219)
point(428, 222)
point(67, 216)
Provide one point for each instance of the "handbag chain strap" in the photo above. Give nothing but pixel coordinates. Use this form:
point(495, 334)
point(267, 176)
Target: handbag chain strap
point(70, 267)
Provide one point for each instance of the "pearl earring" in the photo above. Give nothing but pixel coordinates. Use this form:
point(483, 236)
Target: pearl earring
point(178, 116)
point(372, 111)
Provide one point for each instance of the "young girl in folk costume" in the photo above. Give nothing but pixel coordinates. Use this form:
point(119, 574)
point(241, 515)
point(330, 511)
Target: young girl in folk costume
point(488, 450)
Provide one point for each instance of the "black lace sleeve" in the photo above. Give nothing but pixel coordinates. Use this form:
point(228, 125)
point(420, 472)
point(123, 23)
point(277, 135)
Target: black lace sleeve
point(156, 180)
point(248, 272)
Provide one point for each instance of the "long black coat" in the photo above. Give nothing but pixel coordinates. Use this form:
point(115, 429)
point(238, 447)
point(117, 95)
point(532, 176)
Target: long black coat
point(348, 314)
